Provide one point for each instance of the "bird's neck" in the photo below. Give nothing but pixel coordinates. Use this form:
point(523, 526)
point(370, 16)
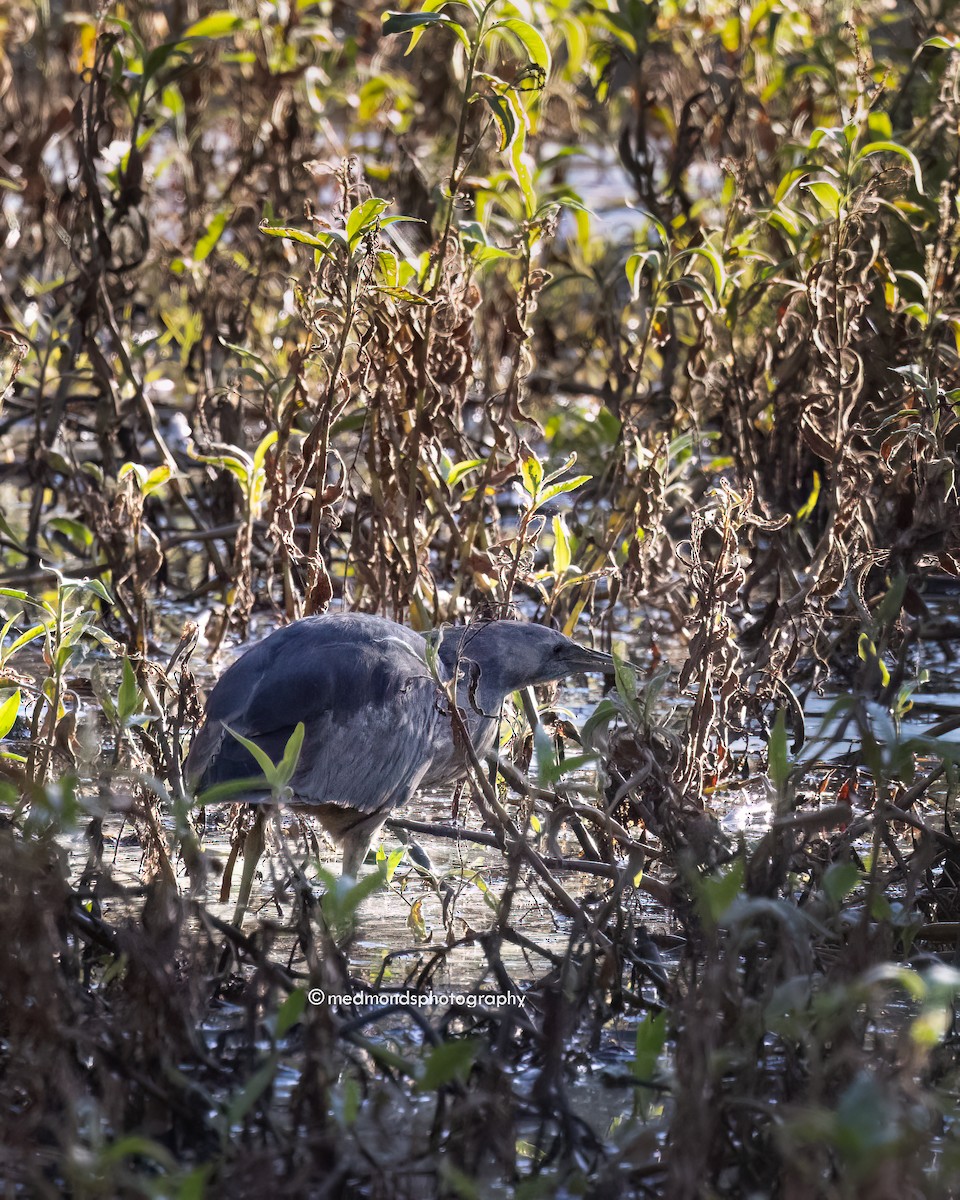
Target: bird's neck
point(480, 707)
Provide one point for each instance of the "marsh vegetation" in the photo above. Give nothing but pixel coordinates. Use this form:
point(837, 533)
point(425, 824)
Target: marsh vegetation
point(639, 318)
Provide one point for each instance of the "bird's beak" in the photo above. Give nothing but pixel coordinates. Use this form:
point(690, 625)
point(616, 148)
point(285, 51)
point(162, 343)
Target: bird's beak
point(592, 660)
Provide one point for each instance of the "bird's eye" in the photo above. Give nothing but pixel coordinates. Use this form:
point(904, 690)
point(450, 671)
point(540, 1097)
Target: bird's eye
point(559, 649)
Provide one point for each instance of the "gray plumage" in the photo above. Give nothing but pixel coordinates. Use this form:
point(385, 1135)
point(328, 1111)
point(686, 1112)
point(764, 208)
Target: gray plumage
point(377, 724)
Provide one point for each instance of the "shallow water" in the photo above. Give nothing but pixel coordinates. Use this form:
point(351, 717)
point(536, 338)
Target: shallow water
point(405, 920)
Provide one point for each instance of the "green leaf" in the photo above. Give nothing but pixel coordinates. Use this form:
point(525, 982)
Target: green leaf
point(785, 219)
point(227, 462)
point(134, 1146)
point(256, 1085)
point(7, 626)
point(550, 773)
point(417, 23)
point(839, 880)
point(156, 479)
point(730, 33)
point(786, 185)
point(625, 675)
point(136, 470)
point(565, 466)
point(210, 237)
point(889, 607)
point(481, 249)
point(695, 284)
point(230, 789)
point(718, 891)
point(879, 122)
point(482, 255)
point(75, 530)
point(29, 636)
point(716, 263)
point(216, 25)
point(523, 166)
point(385, 221)
point(546, 756)
point(944, 42)
point(291, 756)
point(128, 697)
point(565, 485)
point(129, 30)
point(450, 1061)
point(9, 711)
point(394, 859)
point(388, 268)
point(650, 1041)
point(826, 194)
point(827, 133)
point(260, 454)
point(402, 293)
point(778, 766)
point(636, 265)
point(342, 898)
point(98, 589)
point(290, 1012)
point(262, 759)
point(158, 56)
point(363, 219)
point(11, 536)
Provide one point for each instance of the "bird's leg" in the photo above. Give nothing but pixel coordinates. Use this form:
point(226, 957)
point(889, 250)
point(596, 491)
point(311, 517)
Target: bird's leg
point(253, 844)
point(356, 843)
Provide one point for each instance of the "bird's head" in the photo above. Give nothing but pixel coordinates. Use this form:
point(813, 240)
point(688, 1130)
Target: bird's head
point(510, 655)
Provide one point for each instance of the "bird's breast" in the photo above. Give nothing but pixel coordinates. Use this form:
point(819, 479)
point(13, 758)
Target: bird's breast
point(450, 760)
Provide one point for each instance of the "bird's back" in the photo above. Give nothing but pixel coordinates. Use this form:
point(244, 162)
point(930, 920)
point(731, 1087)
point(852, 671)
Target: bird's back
point(375, 719)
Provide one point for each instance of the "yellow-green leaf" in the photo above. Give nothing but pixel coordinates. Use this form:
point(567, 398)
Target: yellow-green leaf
point(508, 124)
point(826, 194)
point(156, 479)
point(319, 241)
point(210, 237)
point(811, 502)
point(402, 293)
point(216, 25)
point(458, 470)
point(532, 40)
point(531, 475)
point(9, 711)
point(786, 184)
point(561, 547)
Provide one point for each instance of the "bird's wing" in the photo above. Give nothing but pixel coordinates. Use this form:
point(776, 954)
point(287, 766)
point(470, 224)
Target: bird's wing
point(373, 760)
point(373, 715)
